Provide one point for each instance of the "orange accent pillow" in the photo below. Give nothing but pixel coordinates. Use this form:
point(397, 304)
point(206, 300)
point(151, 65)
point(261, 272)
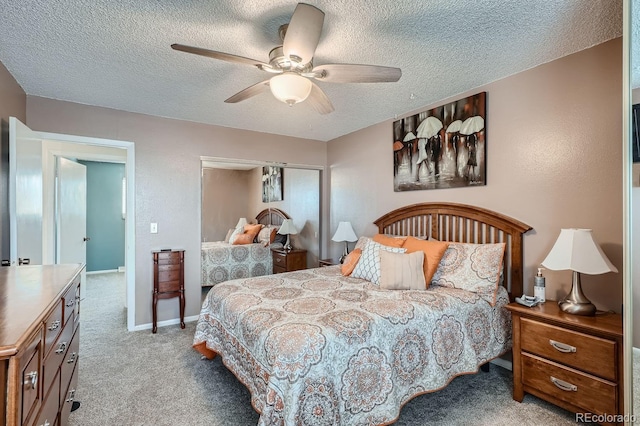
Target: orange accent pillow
point(433, 252)
point(253, 230)
point(350, 262)
point(386, 240)
point(245, 238)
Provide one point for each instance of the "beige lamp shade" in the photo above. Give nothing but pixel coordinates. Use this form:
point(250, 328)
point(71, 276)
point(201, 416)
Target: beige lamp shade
point(344, 233)
point(241, 222)
point(576, 250)
point(287, 227)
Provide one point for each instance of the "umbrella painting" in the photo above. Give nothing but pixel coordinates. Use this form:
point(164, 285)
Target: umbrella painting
point(444, 147)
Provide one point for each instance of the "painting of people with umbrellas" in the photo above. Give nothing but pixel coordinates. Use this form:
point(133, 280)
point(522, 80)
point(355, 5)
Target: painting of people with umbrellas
point(444, 147)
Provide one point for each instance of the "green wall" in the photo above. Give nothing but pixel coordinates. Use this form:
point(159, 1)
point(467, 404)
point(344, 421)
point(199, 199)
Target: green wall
point(105, 226)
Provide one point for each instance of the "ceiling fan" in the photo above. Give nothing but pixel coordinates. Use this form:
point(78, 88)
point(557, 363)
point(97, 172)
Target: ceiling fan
point(293, 64)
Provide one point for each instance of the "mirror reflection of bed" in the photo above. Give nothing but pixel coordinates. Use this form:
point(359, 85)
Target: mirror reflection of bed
point(235, 189)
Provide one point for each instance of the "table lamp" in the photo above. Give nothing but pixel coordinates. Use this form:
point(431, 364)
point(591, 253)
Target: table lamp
point(344, 233)
point(287, 228)
point(576, 250)
point(241, 223)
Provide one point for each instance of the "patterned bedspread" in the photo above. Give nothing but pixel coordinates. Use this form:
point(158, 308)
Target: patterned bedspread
point(222, 262)
point(316, 348)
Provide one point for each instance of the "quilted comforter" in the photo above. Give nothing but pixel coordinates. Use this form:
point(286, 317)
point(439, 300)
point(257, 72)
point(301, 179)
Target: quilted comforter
point(222, 261)
point(317, 348)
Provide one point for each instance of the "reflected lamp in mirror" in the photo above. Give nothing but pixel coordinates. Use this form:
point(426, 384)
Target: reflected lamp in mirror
point(344, 233)
point(241, 222)
point(577, 251)
point(287, 228)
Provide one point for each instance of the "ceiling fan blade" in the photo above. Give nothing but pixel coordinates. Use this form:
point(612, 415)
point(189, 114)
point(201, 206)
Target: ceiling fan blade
point(249, 92)
point(319, 101)
point(354, 73)
point(220, 55)
point(303, 32)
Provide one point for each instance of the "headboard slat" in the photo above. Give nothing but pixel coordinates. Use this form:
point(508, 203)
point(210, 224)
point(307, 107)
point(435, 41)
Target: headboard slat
point(466, 224)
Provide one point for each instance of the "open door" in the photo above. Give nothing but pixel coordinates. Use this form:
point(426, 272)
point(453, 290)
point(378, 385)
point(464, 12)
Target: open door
point(71, 211)
point(25, 194)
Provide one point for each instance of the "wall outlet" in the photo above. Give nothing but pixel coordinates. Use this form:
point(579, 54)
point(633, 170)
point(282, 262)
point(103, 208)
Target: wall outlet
point(154, 228)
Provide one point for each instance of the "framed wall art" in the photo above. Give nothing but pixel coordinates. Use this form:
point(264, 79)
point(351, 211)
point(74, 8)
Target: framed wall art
point(444, 147)
point(272, 184)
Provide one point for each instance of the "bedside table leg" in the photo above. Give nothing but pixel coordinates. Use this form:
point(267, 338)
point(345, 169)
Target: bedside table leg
point(182, 308)
point(155, 312)
point(516, 366)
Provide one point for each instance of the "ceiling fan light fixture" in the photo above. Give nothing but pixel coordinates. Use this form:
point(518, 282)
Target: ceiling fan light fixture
point(290, 87)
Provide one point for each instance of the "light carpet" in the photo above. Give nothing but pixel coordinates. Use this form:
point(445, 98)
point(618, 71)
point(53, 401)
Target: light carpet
point(140, 378)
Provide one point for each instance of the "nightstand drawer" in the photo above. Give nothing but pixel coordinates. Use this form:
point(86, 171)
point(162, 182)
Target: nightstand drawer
point(279, 259)
point(587, 353)
point(279, 269)
point(566, 384)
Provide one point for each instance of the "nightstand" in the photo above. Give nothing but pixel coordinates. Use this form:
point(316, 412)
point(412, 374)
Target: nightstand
point(328, 262)
point(569, 360)
point(288, 260)
point(168, 281)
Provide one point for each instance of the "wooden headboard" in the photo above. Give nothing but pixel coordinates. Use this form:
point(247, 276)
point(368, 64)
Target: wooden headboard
point(464, 224)
point(272, 216)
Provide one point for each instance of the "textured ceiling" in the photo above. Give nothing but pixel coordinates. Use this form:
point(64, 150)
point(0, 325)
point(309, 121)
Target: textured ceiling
point(117, 54)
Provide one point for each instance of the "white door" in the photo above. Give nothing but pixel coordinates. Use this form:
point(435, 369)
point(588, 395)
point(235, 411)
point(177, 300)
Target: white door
point(71, 211)
point(25, 194)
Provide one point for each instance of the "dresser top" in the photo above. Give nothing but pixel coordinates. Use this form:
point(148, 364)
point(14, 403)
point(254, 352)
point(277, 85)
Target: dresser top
point(27, 293)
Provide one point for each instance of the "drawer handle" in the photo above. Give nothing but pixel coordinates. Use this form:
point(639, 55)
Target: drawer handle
point(54, 325)
point(61, 347)
point(565, 386)
point(562, 347)
point(70, 303)
point(72, 358)
point(32, 379)
point(72, 394)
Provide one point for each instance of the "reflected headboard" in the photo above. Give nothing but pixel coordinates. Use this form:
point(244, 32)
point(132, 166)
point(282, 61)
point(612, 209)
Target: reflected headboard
point(464, 224)
point(272, 216)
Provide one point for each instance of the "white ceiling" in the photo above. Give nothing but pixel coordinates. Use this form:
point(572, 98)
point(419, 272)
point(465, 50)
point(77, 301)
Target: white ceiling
point(116, 54)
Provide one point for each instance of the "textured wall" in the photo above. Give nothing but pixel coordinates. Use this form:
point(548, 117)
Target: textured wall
point(105, 224)
point(13, 102)
point(168, 176)
point(554, 158)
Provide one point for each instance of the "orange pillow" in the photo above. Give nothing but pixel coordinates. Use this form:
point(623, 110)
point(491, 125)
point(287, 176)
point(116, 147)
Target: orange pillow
point(350, 262)
point(252, 230)
point(386, 240)
point(245, 238)
point(433, 252)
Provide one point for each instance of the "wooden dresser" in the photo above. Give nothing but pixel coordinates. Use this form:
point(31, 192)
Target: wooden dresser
point(288, 260)
point(569, 360)
point(168, 280)
point(39, 342)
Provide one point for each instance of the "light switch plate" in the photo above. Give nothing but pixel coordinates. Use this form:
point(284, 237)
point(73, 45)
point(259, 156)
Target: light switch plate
point(154, 228)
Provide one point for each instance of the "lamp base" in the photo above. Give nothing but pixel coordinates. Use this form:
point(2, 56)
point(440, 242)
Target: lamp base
point(576, 302)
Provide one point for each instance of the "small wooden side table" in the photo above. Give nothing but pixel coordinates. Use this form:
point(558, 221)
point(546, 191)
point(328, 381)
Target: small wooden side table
point(168, 280)
point(288, 260)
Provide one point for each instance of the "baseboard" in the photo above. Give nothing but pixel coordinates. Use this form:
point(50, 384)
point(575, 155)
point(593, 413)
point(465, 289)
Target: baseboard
point(120, 268)
point(174, 321)
point(106, 271)
point(502, 363)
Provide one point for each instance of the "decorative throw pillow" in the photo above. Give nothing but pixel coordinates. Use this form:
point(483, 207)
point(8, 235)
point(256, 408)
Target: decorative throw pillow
point(368, 267)
point(433, 252)
point(362, 241)
point(252, 230)
point(472, 267)
point(234, 234)
point(400, 271)
point(267, 235)
point(350, 262)
point(388, 240)
point(245, 238)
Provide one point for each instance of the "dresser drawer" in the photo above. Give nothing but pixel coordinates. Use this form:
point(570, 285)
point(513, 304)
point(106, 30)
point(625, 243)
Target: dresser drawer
point(572, 386)
point(279, 269)
point(49, 412)
point(30, 380)
point(279, 259)
point(67, 397)
point(587, 353)
point(169, 257)
point(168, 286)
point(52, 327)
point(70, 361)
point(69, 301)
point(171, 267)
point(54, 359)
point(164, 276)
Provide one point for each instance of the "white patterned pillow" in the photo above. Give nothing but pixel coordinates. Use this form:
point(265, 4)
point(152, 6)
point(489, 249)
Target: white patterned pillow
point(472, 267)
point(368, 267)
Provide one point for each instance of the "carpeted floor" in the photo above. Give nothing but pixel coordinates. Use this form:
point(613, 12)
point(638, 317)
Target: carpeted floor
point(139, 378)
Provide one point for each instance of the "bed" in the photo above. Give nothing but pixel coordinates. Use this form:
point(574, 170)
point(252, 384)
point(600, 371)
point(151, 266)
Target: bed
point(317, 347)
point(221, 261)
